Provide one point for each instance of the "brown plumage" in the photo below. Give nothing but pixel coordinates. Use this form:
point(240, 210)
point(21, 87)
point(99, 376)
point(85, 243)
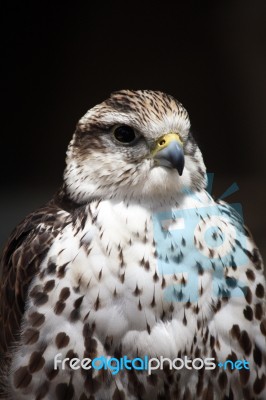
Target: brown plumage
point(20, 262)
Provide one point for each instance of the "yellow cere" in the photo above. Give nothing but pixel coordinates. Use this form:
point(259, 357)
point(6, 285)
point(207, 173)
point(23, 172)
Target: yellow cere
point(164, 141)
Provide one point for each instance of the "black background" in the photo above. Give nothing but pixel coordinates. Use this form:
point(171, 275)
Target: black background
point(59, 59)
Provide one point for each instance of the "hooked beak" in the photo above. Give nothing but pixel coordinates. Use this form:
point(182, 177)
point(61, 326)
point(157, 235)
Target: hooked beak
point(168, 152)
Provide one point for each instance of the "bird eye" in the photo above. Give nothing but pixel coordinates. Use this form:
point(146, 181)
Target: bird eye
point(124, 134)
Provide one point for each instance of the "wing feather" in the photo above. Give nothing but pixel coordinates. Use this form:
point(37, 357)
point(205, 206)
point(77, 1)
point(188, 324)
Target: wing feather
point(21, 260)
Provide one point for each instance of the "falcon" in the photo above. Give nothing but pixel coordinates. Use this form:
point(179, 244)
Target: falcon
point(132, 260)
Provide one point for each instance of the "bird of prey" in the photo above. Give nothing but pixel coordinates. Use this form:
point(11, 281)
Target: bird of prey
point(132, 257)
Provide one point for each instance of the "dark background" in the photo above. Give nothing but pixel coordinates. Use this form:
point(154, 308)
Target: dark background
point(59, 59)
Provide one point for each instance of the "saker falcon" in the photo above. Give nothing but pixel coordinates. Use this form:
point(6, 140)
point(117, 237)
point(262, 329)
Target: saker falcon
point(133, 257)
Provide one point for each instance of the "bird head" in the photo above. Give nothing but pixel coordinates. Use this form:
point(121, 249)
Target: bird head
point(135, 144)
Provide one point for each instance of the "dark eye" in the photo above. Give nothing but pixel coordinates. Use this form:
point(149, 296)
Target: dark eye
point(124, 134)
